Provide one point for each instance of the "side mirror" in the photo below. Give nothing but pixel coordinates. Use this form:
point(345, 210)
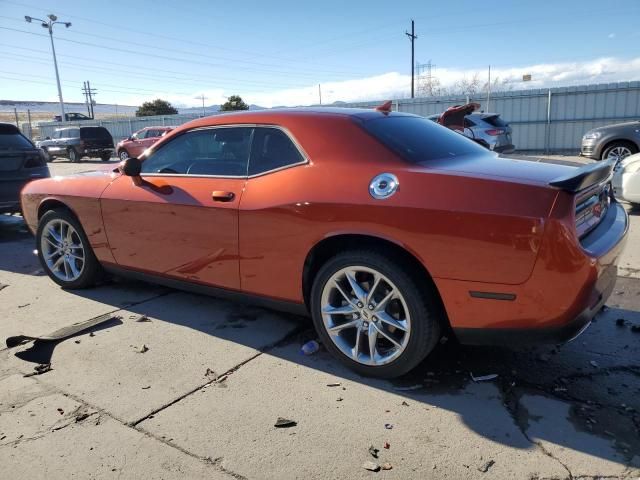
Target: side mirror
point(131, 167)
point(130, 138)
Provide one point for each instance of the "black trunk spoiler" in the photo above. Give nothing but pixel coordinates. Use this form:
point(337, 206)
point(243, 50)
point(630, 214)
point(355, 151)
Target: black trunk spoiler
point(585, 177)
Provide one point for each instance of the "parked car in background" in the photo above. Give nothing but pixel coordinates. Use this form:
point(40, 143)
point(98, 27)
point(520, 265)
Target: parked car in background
point(20, 162)
point(487, 129)
point(388, 235)
point(72, 117)
point(77, 142)
point(612, 141)
point(626, 179)
point(140, 141)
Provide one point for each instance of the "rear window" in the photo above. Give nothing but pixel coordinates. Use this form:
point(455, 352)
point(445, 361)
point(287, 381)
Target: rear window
point(99, 133)
point(417, 139)
point(10, 139)
point(495, 121)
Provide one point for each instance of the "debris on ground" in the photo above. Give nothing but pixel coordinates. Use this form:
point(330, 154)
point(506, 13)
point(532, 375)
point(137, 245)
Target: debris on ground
point(76, 341)
point(142, 349)
point(25, 305)
point(211, 374)
point(285, 423)
point(405, 404)
point(620, 322)
point(310, 347)
point(61, 333)
point(387, 466)
point(60, 411)
point(81, 417)
point(374, 451)
point(40, 369)
point(387, 445)
point(371, 466)
point(142, 318)
point(594, 364)
point(483, 378)
point(339, 399)
point(335, 384)
point(147, 387)
point(485, 468)
point(388, 426)
point(408, 388)
point(91, 334)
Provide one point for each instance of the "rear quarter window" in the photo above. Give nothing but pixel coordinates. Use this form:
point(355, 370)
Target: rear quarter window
point(418, 139)
point(10, 140)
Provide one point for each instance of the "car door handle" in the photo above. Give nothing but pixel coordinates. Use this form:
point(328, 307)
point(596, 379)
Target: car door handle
point(222, 196)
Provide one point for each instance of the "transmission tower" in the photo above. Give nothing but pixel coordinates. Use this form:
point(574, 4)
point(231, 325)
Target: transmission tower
point(427, 81)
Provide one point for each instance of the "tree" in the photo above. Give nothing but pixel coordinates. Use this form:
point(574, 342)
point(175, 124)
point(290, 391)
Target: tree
point(156, 107)
point(234, 102)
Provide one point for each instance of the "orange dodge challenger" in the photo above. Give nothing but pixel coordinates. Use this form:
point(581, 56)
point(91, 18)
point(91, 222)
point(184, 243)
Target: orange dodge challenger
point(386, 227)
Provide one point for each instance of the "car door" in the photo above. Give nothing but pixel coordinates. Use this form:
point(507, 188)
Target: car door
point(181, 221)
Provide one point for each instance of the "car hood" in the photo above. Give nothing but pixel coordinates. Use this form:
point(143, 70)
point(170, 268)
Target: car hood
point(509, 169)
point(615, 126)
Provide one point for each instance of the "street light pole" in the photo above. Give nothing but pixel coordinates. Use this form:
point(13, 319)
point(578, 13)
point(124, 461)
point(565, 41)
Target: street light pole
point(49, 25)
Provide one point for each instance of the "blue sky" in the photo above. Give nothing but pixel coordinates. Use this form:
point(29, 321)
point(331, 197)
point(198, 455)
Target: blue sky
point(277, 52)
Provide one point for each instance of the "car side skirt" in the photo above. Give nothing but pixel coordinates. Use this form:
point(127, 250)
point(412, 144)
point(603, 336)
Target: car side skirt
point(223, 293)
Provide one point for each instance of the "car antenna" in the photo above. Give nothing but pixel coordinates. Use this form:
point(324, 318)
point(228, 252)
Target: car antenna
point(385, 107)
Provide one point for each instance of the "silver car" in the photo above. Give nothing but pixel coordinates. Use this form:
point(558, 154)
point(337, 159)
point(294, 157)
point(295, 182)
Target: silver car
point(626, 179)
point(487, 128)
point(613, 141)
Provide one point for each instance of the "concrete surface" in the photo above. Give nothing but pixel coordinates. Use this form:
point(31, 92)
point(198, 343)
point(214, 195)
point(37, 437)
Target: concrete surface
point(202, 400)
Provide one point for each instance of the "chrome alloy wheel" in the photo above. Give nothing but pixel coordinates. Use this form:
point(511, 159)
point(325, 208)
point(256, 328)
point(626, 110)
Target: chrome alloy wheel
point(62, 250)
point(618, 152)
point(365, 315)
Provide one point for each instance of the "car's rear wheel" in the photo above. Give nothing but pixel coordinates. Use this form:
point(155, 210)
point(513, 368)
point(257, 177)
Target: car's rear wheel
point(373, 314)
point(619, 150)
point(105, 157)
point(123, 155)
point(74, 156)
point(64, 250)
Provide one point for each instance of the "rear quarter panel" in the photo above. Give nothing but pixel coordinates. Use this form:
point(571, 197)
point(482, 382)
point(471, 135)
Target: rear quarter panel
point(458, 226)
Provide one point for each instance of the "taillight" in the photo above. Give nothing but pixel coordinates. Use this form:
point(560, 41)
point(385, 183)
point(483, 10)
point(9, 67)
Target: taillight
point(591, 207)
point(494, 131)
point(33, 161)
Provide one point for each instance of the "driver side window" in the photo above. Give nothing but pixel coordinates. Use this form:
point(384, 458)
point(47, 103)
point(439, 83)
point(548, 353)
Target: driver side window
point(221, 151)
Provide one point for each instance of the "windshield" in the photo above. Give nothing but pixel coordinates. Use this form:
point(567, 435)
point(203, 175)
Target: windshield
point(418, 139)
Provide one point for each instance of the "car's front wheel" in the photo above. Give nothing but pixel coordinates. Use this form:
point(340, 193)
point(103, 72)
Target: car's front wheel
point(618, 151)
point(64, 250)
point(373, 313)
point(123, 155)
point(74, 156)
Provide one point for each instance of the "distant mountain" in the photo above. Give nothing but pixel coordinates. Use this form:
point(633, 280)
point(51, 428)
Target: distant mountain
point(209, 109)
point(34, 106)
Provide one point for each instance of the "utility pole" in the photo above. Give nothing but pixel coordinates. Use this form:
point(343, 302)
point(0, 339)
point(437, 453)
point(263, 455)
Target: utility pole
point(412, 36)
point(49, 25)
point(88, 95)
point(203, 98)
point(320, 94)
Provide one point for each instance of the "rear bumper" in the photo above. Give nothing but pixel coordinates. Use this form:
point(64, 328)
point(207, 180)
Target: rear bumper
point(504, 148)
point(569, 286)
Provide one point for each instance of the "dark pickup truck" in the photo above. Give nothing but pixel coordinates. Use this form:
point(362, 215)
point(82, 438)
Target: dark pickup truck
point(20, 162)
point(77, 142)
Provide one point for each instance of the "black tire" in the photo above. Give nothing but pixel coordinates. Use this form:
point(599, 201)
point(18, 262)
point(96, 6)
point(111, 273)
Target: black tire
point(91, 271)
point(74, 156)
point(420, 297)
point(47, 156)
point(619, 145)
point(105, 157)
point(123, 155)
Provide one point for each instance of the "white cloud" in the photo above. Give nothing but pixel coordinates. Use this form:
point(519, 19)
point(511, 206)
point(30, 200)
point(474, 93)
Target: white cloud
point(396, 85)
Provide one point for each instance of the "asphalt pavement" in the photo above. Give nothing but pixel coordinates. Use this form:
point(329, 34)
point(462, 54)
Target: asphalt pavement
point(176, 385)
